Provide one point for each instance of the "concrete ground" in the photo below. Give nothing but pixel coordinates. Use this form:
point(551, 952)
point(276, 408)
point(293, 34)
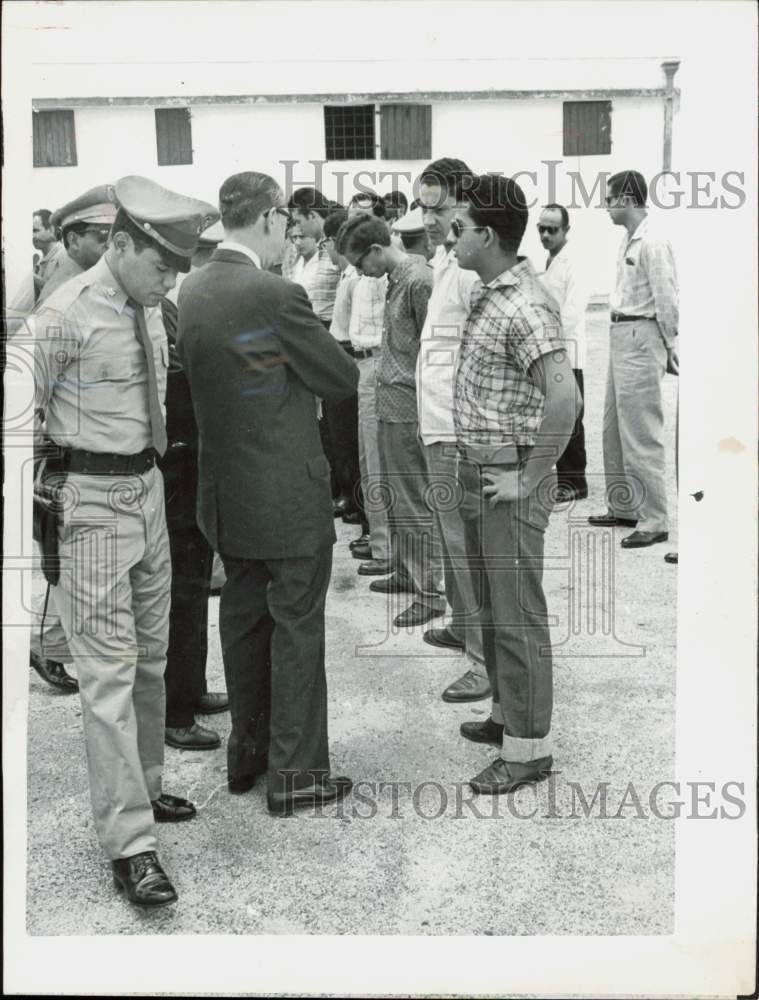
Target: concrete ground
point(385, 862)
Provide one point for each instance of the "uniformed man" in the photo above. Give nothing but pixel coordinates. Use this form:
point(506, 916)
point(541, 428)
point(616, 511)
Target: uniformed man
point(101, 380)
point(45, 239)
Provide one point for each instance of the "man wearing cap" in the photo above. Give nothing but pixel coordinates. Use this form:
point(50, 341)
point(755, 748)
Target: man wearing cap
point(45, 239)
point(414, 238)
point(100, 382)
point(85, 224)
point(257, 357)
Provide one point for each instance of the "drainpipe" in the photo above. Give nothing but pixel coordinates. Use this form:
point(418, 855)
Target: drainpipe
point(670, 68)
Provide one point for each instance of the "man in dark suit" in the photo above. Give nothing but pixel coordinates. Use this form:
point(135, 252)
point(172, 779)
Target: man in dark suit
point(257, 358)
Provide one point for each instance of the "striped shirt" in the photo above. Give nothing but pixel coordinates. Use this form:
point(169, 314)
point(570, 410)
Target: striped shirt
point(647, 280)
point(319, 276)
point(513, 323)
point(368, 312)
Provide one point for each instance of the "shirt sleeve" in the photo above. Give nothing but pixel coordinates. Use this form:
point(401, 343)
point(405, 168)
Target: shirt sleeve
point(56, 348)
point(659, 262)
point(533, 333)
point(419, 297)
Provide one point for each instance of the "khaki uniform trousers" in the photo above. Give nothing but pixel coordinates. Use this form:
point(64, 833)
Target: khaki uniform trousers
point(113, 598)
point(633, 428)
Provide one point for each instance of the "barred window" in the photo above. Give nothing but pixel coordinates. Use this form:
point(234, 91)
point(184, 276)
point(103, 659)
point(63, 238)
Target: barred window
point(349, 132)
point(53, 139)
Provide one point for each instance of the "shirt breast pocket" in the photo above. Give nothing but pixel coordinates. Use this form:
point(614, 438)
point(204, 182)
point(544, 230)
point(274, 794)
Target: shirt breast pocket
point(95, 370)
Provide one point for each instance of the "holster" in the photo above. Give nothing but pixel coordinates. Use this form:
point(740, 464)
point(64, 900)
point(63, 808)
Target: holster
point(46, 514)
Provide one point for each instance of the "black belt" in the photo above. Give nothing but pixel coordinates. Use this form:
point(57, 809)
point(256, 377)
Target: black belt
point(368, 353)
point(621, 318)
point(101, 463)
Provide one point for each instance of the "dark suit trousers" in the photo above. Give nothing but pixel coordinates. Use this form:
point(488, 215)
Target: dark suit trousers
point(185, 677)
point(278, 699)
point(570, 468)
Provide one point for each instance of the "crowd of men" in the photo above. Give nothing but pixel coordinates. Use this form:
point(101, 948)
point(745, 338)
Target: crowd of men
point(403, 368)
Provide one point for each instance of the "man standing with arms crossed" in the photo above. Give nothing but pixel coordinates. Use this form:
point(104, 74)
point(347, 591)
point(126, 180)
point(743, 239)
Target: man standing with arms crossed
point(644, 326)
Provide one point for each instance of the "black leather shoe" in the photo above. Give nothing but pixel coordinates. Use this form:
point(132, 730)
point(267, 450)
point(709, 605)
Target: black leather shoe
point(390, 585)
point(242, 783)
point(212, 702)
point(192, 737)
point(143, 880)
point(608, 520)
point(54, 674)
point(470, 687)
point(671, 557)
point(352, 517)
point(640, 539)
point(416, 614)
point(340, 506)
point(442, 638)
point(172, 809)
point(320, 793)
point(361, 540)
point(362, 552)
point(504, 776)
point(566, 493)
point(375, 567)
point(483, 732)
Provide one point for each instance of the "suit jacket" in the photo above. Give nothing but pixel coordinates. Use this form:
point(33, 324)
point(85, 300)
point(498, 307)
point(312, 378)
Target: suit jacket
point(256, 358)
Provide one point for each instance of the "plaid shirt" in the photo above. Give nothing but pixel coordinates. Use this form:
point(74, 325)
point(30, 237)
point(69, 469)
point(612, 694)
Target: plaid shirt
point(647, 280)
point(408, 292)
point(512, 324)
point(319, 276)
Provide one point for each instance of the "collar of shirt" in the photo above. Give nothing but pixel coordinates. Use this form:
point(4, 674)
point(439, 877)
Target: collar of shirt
point(399, 270)
point(639, 233)
point(512, 275)
point(241, 248)
point(102, 276)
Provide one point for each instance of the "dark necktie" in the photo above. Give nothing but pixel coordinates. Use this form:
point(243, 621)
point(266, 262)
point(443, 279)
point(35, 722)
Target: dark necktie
point(157, 423)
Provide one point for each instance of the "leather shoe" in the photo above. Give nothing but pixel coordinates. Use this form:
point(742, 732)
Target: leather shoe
point(671, 557)
point(608, 520)
point(192, 737)
point(390, 585)
point(362, 552)
point(352, 517)
point(504, 776)
point(443, 638)
point(143, 880)
point(375, 567)
point(242, 783)
point(172, 809)
point(212, 702)
point(483, 732)
point(340, 506)
point(640, 539)
point(361, 540)
point(470, 687)
point(416, 614)
point(54, 674)
point(566, 493)
point(319, 793)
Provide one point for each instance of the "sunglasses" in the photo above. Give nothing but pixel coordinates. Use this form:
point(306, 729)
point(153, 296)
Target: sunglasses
point(551, 230)
point(457, 228)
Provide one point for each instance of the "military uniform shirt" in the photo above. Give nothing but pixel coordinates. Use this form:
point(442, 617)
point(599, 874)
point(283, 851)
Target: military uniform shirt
point(91, 373)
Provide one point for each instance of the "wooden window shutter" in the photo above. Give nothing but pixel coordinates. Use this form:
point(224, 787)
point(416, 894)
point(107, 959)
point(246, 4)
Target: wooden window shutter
point(53, 139)
point(173, 132)
point(587, 128)
point(406, 131)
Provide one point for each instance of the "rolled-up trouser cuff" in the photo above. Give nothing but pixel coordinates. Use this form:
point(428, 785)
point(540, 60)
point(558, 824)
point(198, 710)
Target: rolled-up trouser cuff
point(521, 751)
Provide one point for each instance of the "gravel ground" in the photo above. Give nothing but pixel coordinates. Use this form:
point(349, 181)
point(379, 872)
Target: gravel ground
point(385, 862)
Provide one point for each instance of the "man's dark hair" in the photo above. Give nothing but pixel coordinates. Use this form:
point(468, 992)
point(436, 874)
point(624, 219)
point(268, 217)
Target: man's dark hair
point(80, 228)
point(334, 221)
point(450, 174)
point(377, 202)
point(396, 199)
point(498, 203)
point(359, 233)
point(309, 199)
point(123, 224)
point(44, 216)
point(562, 212)
point(629, 182)
point(244, 197)
point(411, 241)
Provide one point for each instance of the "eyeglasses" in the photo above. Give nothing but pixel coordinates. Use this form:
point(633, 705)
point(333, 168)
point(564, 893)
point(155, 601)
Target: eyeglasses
point(551, 230)
point(101, 235)
point(457, 228)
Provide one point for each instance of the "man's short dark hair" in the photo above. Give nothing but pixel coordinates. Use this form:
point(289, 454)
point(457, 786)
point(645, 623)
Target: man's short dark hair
point(562, 212)
point(334, 221)
point(631, 183)
point(123, 224)
point(361, 232)
point(310, 199)
point(377, 202)
point(499, 204)
point(44, 216)
point(244, 197)
point(396, 199)
point(412, 240)
point(450, 174)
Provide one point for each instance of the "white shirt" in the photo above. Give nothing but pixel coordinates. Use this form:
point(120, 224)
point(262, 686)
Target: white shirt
point(447, 312)
point(240, 248)
point(368, 312)
point(564, 281)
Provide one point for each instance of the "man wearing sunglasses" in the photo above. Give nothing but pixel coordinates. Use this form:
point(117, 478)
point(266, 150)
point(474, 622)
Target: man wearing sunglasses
point(563, 280)
point(514, 405)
